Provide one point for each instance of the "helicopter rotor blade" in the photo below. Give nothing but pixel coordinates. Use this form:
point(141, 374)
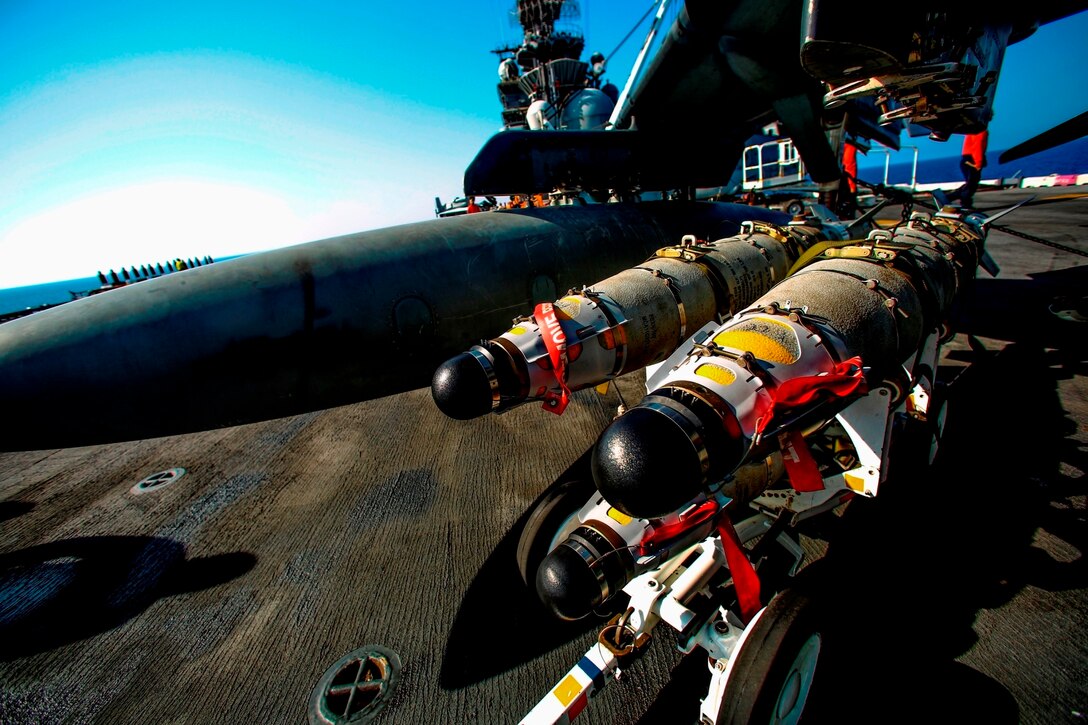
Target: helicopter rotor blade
point(1065, 132)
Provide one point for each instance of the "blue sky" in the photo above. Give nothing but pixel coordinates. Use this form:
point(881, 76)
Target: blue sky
point(135, 132)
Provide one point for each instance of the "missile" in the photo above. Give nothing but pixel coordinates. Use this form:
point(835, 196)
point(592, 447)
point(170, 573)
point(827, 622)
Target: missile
point(792, 360)
point(625, 322)
point(312, 326)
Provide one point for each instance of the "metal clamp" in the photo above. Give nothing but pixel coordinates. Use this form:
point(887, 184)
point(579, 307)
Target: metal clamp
point(619, 638)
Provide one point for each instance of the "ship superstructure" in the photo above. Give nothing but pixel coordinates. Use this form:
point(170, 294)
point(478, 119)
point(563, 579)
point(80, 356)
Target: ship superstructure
point(543, 82)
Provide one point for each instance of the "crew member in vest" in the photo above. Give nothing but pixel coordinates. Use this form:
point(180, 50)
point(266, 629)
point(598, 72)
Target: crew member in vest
point(971, 164)
point(848, 187)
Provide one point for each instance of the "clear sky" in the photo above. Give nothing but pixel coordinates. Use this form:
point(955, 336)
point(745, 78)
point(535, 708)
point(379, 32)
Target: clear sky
point(136, 132)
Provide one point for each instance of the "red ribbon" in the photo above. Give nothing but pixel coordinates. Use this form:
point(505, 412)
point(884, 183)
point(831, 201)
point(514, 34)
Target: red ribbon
point(844, 379)
point(555, 341)
point(745, 578)
point(801, 468)
point(664, 532)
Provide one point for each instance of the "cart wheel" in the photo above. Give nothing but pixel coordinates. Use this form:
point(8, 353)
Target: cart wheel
point(773, 671)
point(552, 520)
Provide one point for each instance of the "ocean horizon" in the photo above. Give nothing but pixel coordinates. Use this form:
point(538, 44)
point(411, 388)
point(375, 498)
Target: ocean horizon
point(1069, 158)
point(34, 296)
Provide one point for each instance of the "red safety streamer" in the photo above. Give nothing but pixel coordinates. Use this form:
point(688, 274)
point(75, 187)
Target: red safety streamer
point(844, 379)
point(801, 468)
point(745, 579)
point(555, 341)
point(667, 531)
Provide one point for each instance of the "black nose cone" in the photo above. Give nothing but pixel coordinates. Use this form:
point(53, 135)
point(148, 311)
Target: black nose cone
point(461, 388)
point(566, 585)
point(645, 465)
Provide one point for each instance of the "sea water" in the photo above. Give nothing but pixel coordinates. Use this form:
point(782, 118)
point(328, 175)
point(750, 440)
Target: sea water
point(1069, 158)
point(51, 293)
point(30, 297)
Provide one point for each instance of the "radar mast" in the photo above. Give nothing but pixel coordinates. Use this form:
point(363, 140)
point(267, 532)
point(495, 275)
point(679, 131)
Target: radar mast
point(541, 75)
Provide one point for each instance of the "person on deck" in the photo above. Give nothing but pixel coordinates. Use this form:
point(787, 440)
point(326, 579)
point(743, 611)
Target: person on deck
point(971, 164)
point(850, 165)
point(848, 187)
point(473, 207)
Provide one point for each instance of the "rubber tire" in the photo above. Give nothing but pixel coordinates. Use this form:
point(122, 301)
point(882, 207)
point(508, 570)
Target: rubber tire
point(795, 208)
point(551, 513)
point(766, 660)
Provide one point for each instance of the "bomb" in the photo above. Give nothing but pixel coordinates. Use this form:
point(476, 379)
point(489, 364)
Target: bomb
point(625, 322)
point(789, 362)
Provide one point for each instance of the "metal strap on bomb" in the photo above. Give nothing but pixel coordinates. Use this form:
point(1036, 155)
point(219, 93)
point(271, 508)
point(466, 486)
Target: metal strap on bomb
point(878, 252)
point(725, 380)
point(616, 320)
point(592, 546)
point(702, 256)
point(744, 380)
point(487, 362)
point(907, 262)
point(964, 235)
point(793, 241)
point(890, 300)
point(947, 235)
point(592, 315)
point(687, 423)
point(926, 235)
point(749, 228)
point(689, 250)
point(672, 287)
point(789, 236)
